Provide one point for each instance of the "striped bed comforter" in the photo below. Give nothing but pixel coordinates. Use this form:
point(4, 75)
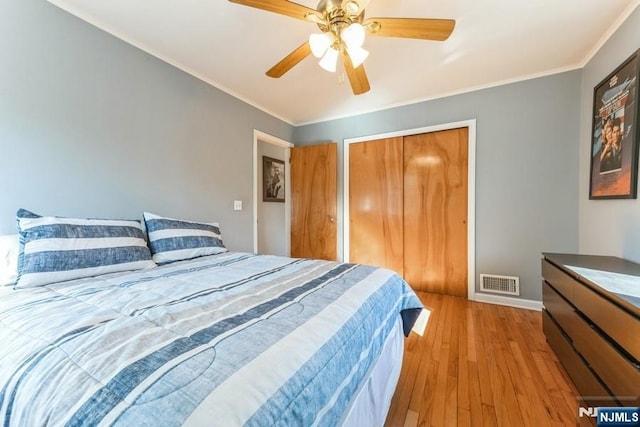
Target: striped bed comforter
point(224, 340)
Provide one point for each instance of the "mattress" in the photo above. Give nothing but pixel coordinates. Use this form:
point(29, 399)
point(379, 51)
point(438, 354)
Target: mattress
point(229, 340)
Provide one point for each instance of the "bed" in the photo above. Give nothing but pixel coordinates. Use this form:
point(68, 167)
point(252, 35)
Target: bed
point(220, 340)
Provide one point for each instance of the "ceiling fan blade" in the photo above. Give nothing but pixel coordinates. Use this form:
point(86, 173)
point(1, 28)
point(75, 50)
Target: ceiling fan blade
point(283, 7)
point(357, 76)
point(290, 61)
point(411, 28)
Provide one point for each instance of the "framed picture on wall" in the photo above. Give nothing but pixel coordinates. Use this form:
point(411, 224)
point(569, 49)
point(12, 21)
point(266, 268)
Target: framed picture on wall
point(615, 137)
point(272, 179)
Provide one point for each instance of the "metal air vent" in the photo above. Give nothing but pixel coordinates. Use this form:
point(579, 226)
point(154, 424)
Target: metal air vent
point(508, 285)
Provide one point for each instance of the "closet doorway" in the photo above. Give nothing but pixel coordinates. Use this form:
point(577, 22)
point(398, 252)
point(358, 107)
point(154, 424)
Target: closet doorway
point(409, 206)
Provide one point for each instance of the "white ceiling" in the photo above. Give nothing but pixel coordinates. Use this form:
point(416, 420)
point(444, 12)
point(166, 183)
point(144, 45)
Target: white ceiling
point(232, 46)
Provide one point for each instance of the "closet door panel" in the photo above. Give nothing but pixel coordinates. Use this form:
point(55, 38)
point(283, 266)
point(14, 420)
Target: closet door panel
point(435, 211)
point(376, 203)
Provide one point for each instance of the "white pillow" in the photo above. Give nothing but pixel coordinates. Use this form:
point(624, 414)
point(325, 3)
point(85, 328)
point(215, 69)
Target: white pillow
point(9, 250)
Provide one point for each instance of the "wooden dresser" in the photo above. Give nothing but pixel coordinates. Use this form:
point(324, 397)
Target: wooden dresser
point(591, 319)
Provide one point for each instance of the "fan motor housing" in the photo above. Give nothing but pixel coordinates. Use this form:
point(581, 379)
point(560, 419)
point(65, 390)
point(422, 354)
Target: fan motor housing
point(336, 17)
point(326, 6)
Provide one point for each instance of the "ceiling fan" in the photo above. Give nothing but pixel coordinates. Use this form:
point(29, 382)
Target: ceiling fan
point(343, 27)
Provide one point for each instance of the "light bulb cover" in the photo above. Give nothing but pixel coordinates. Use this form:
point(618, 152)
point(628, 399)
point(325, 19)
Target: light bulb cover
point(352, 7)
point(357, 55)
point(319, 43)
point(353, 35)
point(330, 60)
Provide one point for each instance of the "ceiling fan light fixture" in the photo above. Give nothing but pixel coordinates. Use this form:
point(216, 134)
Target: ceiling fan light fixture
point(343, 27)
point(352, 7)
point(329, 61)
point(320, 43)
point(353, 35)
point(315, 18)
point(357, 55)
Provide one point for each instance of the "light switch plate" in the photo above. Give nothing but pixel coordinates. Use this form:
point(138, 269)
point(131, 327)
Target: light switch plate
point(237, 205)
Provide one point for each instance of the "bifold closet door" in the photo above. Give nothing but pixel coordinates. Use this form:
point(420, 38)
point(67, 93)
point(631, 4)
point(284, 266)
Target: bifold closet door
point(375, 203)
point(435, 211)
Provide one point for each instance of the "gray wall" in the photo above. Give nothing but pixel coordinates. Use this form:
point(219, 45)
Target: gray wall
point(619, 234)
point(526, 166)
point(91, 126)
point(272, 234)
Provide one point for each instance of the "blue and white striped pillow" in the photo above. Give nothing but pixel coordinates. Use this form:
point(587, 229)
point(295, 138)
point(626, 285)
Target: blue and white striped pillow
point(54, 249)
point(176, 240)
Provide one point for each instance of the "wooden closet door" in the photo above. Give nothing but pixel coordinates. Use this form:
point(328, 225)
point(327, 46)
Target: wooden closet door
point(375, 203)
point(314, 201)
point(435, 211)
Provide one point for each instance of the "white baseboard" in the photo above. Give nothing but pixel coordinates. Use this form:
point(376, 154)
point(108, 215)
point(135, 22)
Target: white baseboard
point(511, 302)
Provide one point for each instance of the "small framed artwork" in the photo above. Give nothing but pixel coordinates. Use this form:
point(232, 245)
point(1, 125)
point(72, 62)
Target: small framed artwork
point(272, 180)
point(615, 137)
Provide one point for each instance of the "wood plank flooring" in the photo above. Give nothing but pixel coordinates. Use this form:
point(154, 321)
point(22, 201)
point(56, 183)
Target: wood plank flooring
point(481, 365)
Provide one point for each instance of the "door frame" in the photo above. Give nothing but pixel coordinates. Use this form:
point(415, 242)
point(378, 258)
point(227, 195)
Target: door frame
point(270, 139)
point(471, 189)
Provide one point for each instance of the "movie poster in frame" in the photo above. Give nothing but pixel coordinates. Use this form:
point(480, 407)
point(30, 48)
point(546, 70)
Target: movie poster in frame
point(614, 137)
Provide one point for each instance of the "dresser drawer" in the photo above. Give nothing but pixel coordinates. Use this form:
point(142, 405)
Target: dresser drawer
point(620, 376)
point(621, 326)
point(593, 392)
point(559, 309)
point(561, 281)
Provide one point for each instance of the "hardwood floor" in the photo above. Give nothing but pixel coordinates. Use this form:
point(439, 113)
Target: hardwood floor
point(481, 365)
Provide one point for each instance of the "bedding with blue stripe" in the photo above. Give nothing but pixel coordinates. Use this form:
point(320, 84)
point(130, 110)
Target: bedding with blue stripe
point(224, 340)
point(54, 249)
